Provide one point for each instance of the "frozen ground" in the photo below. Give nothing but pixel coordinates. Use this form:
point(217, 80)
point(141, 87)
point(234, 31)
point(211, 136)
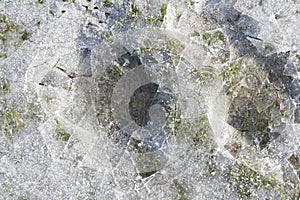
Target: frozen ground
point(156, 99)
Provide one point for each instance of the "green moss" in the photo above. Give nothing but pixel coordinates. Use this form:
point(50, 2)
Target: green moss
point(268, 48)
point(11, 122)
point(254, 126)
point(190, 2)
point(204, 75)
point(4, 87)
point(253, 109)
point(202, 129)
point(242, 179)
point(195, 133)
point(39, 1)
point(212, 38)
point(6, 28)
point(195, 34)
point(211, 165)
point(114, 72)
point(10, 28)
point(133, 12)
point(231, 75)
point(106, 84)
point(295, 161)
point(3, 37)
point(136, 146)
point(32, 111)
point(180, 189)
point(174, 46)
point(233, 70)
point(3, 55)
point(24, 35)
point(173, 119)
point(104, 36)
point(69, 1)
point(108, 3)
point(294, 195)
point(3, 19)
point(60, 132)
point(160, 18)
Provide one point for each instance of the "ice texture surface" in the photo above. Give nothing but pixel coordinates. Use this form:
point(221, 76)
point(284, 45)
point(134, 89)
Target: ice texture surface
point(176, 99)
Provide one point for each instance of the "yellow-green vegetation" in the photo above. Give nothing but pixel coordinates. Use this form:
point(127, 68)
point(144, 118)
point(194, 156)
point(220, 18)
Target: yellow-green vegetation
point(180, 189)
point(68, 1)
point(242, 179)
point(133, 12)
point(104, 36)
point(6, 27)
point(4, 87)
point(24, 35)
point(216, 42)
point(160, 18)
point(173, 45)
point(201, 132)
point(39, 1)
point(255, 104)
point(295, 161)
point(194, 132)
point(108, 3)
point(205, 75)
point(135, 146)
point(211, 38)
point(211, 165)
point(3, 55)
point(232, 75)
point(173, 118)
point(190, 2)
point(113, 73)
point(60, 132)
point(295, 194)
point(32, 111)
point(10, 31)
point(11, 122)
point(268, 48)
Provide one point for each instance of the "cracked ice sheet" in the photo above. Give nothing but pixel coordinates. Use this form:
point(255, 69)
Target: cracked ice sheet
point(66, 181)
point(278, 21)
point(25, 169)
